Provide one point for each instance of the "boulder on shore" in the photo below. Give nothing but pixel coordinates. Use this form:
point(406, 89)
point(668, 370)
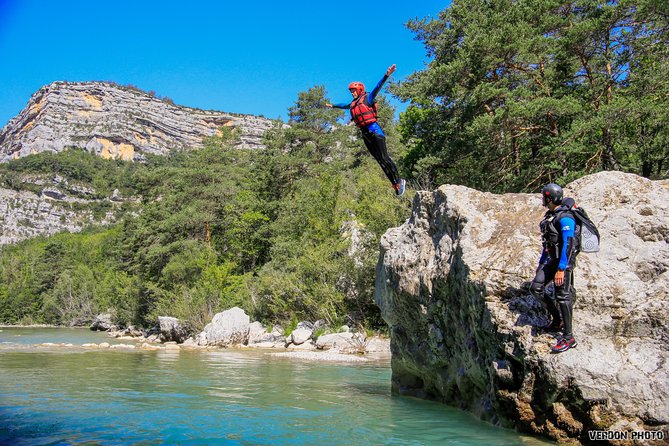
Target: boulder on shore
point(230, 327)
point(334, 341)
point(452, 285)
point(259, 336)
point(103, 322)
point(345, 342)
point(301, 334)
point(173, 330)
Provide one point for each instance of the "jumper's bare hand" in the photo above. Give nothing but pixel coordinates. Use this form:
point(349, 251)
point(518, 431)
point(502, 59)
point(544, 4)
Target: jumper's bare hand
point(391, 70)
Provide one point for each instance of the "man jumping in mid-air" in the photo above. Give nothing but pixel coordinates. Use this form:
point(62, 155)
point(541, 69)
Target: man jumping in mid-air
point(363, 113)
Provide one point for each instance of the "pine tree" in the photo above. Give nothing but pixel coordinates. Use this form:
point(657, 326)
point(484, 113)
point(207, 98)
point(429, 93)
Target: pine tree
point(521, 92)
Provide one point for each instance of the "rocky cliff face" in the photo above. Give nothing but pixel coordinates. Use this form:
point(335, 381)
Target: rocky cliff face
point(452, 285)
point(25, 214)
point(115, 122)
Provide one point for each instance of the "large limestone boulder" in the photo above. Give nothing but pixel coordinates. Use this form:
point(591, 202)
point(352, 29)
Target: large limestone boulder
point(302, 333)
point(260, 337)
point(452, 285)
point(257, 333)
point(172, 329)
point(231, 327)
point(334, 341)
point(346, 342)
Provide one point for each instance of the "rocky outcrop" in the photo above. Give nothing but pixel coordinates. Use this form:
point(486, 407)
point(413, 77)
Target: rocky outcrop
point(452, 285)
point(103, 322)
point(25, 214)
point(302, 333)
point(172, 329)
point(116, 122)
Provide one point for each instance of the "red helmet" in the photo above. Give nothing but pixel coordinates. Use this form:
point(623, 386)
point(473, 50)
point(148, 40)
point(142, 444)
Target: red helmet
point(359, 87)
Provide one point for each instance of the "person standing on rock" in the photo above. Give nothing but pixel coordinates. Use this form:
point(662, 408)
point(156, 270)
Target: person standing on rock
point(363, 114)
point(558, 257)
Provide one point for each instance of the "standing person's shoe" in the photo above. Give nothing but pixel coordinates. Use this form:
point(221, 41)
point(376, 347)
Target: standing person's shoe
point(564, 343)
point(400, 187)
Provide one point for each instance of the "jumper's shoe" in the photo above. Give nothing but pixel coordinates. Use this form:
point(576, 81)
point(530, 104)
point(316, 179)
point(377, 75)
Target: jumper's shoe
point(563, 344)
point(553, 327)
point(400, 187)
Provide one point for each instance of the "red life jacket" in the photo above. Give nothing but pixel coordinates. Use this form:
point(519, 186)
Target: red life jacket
point(361, 112)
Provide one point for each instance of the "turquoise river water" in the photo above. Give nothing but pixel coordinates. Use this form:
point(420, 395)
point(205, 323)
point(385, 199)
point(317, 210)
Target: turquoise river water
point(72, 395)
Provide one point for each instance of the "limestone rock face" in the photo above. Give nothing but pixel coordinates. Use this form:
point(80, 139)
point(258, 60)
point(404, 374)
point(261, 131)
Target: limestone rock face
point(115, 122)
point(25, 215)
point(452, 285)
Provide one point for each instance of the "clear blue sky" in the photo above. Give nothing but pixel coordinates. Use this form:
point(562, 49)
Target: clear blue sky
point(234, 56)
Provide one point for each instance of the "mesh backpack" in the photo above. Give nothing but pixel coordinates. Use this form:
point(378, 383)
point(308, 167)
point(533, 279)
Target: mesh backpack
point(586, 231)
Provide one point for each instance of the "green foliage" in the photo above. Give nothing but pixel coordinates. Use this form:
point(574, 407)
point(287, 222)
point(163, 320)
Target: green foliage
point(197, 299)
point(519, 93)
point(65, 279)
point(74, 167)
point(217, 227)
point(310, 113)
point(314, 183)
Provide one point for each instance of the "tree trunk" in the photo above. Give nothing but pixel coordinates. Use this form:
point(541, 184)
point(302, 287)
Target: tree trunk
point(609, 161)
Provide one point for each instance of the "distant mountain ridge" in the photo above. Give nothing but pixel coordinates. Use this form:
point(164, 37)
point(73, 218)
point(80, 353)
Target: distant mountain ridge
point(103, 118)
point(118, 122)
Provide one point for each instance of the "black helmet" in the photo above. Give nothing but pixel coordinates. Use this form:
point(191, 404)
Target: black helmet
point(552, 193)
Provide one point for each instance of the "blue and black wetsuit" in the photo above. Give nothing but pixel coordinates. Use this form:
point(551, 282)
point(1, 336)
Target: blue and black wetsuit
point(559, 252)
point(372, 134)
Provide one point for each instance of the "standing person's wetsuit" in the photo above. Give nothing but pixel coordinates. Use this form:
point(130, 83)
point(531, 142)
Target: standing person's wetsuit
point(363, 114)
point(558, 257)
